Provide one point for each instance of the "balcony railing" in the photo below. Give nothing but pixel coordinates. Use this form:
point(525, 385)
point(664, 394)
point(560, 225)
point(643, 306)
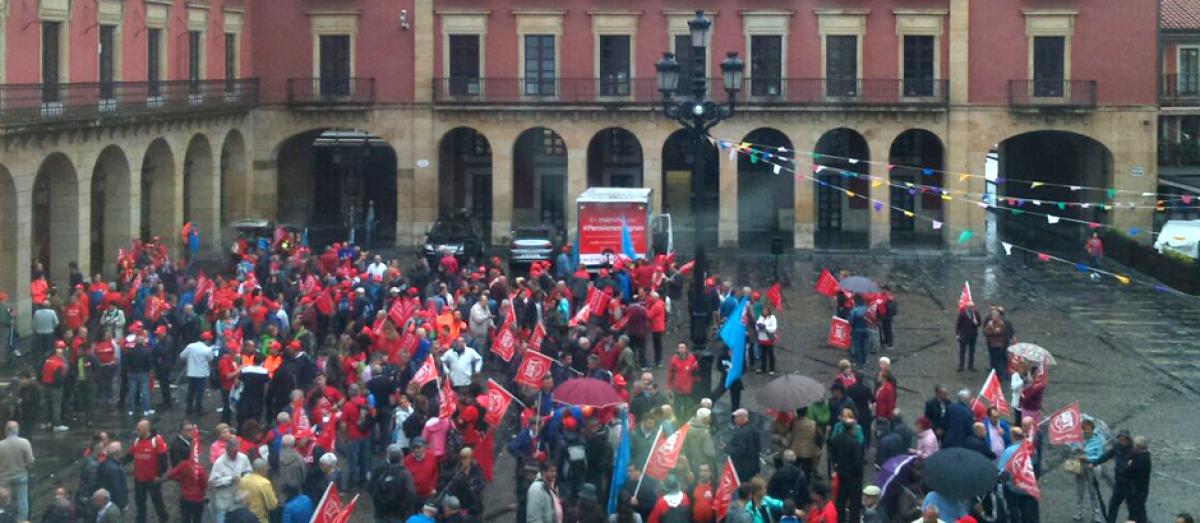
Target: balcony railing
point(781, 91)
point(1180, 89)
point(1079, 94)
point(22, 104)
point(331, 91)
point(1175, 154)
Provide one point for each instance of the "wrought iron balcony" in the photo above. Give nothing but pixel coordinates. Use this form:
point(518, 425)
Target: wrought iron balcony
point(771, 91)
point(25, 104)
point(1052, 93)
point(1180, 89)
point(331, 91)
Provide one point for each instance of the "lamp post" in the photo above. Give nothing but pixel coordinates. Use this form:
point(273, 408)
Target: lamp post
point(697, 113)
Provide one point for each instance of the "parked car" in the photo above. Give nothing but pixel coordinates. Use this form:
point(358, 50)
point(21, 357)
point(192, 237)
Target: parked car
point(459, 234)
point(530, 244)
point(1181, 236)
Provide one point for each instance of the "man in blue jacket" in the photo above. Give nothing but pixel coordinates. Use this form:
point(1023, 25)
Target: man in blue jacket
point(958, 421)
point(299, 508)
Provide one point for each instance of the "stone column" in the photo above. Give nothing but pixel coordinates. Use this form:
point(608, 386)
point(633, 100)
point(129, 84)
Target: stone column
point(502, 182)
point(22, 304)
point(1134, 167)
point(727, 215)
point(577, 140)
point(879, 232)
point(264, 180)
point(652, 176)
point(804, 139)
point(422, 184)
point(961, 153)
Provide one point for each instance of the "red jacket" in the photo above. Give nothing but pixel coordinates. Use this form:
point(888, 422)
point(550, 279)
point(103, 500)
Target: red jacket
point(424, 473)
point(885, 400)
point(76, 314)
point(148, 455)
point(192, 478)
point(681, 374)
point(661, 508)
point(225, 366)
point(644, 275)
point(54, 371)
point(658, 316)
point(355, 409)
point(826, 514)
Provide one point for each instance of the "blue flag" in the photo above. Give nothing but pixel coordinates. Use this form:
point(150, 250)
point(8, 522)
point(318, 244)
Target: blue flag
point(733, 333)
point(620, 465)
point(575, 255)
point(627, 241)
point(304, 238)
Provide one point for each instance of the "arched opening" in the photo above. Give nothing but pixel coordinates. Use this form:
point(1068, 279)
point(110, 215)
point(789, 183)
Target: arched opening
point(158, 193)
point(916, 178)
point(1060, 160)
point(234, 182)
point(465, 175)
point(539, 179)
point(201, 189)
point(8, 233)
point(110, 223)
point(340, 184)
point(765, 191)
point(614, 159)
point(842, 221)
point(678, 160)
point(55, 225)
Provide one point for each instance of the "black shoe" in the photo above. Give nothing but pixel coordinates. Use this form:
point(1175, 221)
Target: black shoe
point(960, 369)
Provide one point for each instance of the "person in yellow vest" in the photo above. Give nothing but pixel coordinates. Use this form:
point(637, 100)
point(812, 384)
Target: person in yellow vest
point(260, 495)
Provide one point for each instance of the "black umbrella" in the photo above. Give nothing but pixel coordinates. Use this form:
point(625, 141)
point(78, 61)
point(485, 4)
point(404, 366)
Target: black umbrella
point(790, 392)
point(858, 285)
point(960, 473)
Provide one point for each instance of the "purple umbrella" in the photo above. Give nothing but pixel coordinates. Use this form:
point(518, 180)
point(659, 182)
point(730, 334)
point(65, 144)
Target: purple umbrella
point(891, 469)
point(587, 391)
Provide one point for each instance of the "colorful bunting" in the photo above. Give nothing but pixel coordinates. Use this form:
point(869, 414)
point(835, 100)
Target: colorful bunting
point(964, 237)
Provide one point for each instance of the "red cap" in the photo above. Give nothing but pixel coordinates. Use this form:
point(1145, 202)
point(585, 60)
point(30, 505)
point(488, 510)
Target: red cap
point(412, 291)
point(206, 336)
point(470, 414)
point(60, 344)
point(566, 248)
point(275, 345)
point(367, 331)
point(3, 296)
point(135, 326)
point(305, 300)
point(294, 344)
point(569, 423)
point(711, 282)
point(754, 296)
point(603, 273)
point(162, 329)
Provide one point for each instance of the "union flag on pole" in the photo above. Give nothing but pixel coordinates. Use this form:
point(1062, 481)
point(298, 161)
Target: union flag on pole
point(505, 344)
point(994, 395)
point(666, 453)
point(839, 333)
point(329, 510)
point(596, 300)
point(196, 446)
point(498, 401)
point(299, 416)
point(775, 294)
point(729, 484)
point(535, 338)
point(449, 400)
point(533, 368)
point(426, 373)
point(581, 316)
point(348, 510)
point(827, 285)
point(965, 297)
point(1020, 468)
point(686, 268)
point(1065, 425)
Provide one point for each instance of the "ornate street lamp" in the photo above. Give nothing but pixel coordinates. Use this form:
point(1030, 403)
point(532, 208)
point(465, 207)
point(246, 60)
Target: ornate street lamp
point(697, 113)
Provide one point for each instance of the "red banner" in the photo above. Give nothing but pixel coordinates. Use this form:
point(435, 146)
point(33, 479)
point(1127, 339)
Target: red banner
point(994, 394)
point(448, 400)
point(775, 294)
point(729, 484)
point(348, 510)
point(965, 297)
point(533, 368)
point(1065, 425)
point(597, 300)
point(535, 339)
point(329, 509)
point(839, 333)
point(498, 401)
point(426, 373)
point(600, 226)
point(666, 453)
point(299, 416)
point(827, 285)
point(581, 317)
point(505, 344)
point(1020, 467)
point(686, 268)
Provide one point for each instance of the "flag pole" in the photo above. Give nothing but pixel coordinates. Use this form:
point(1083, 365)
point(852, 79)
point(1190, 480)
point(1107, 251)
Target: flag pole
point(649, 455)
point(323, 496)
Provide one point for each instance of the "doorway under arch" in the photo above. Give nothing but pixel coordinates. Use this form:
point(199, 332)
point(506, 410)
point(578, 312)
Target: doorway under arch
point(234, 175)
point(614, 159)
point(539, 179)
point(465, 175)
point(766, 197)
point(55, 223)
point(8, 232)
point(158, 210)
point(917, 159)
point(678, 197)
point(110, 212)
point(842, 221)
point(201, 189)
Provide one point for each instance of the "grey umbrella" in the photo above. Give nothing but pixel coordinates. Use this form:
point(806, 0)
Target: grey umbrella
point(960, 473)
point(790, 392)
point(858, 285)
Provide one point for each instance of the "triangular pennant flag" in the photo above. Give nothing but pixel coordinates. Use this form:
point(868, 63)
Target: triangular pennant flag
point(1043, 256)
point(1085, 205)
point(878, 206)
point(1187, 199)
point(1062, 205)
point(1007, 248)
point(853, 160)
point(1161, 288)
point(1037, 202)
point(753, 157)
point(890, 167)
point(876, 183)
point(1112, 193)
point(963, 177)
point(777, 168)
point(1017, 212)
point(927, 171)
point(1093, 225)
point(817, 168)
point(850, 194)
point(1051, 218)
point(908, 214)
point(1082, 268)
point(946, 197)
point(1000, 180)
point(1075, 187)
point(937, 225)
point(1123, 279)
point(732, 154)
point(1134, 231)
point(1035, 185)
point(964, 237)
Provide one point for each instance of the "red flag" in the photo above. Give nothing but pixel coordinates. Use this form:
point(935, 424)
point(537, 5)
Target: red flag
point(596, 300)
point(620, 324)
point(1020, 468)
point(1065, 425)
point(449, 400)
point(396, 313)
point(581, 316)
point(534, 367)
point(775, 294)
point(426, 373)
point(327, 439)
point(196, 446)
point(839, 333)
point(499, 400)
point(203, 287)
point(729, 484)
point(965, 297)
point(686, 268)
point(994, 395)
point(299, 416)
point(535, 339)
point(827, 285)
point(505, 344)
point(348, 510)
point(666, 453)
point(485, 454)
point(330, 508)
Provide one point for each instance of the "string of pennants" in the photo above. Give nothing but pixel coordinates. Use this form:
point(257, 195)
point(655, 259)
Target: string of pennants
point(965, 235)
point(769, 152)
point(781, 162)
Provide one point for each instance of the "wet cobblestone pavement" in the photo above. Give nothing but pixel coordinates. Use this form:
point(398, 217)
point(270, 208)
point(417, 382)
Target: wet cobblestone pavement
point(1129, 355)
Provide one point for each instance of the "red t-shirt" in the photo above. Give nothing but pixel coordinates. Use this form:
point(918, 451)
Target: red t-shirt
point(353, 411)
point(75, 314)
point(826, 514)
point(146, 453)
point(225, 366)
point(702, 508)
point(106, 352)
point(424, 473)
point(682, 374)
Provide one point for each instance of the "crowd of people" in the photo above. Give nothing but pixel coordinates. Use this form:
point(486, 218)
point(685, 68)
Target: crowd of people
point(403, 384)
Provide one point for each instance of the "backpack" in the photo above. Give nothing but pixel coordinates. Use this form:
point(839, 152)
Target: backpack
point(680, 513)
point(387, 491)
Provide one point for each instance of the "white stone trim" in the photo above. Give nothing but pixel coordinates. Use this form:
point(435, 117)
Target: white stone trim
point(615, 23)
point(464, 22)
point(677, 20)
point(1050, 22)
point(920, 22)
point(330, 22)
point(539, 22)
point(767, 23)
point(232, 21)
point(842, 22)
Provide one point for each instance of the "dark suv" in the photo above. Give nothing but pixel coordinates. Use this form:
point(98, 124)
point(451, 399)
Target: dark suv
point(457, 233)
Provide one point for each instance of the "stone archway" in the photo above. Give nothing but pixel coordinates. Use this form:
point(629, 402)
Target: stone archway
point(678, 199)
point(916, 158)
point(539, 178)
point(841, 220)
point(465, 174)
point(54, 226)
point(160, 209)
point(8, 234)
point(235, 181)
point(614, 159)
point(201, 189)
point(111, 213)
point(766, 197)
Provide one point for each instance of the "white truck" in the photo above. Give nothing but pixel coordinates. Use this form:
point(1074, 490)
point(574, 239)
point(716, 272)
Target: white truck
point(604, 214)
